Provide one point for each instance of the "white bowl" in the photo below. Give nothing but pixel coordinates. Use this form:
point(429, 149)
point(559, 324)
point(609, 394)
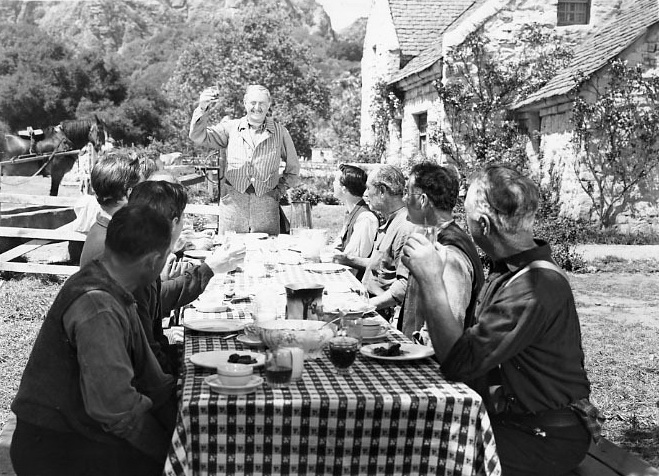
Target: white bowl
point(235, 375)
point(310, 336)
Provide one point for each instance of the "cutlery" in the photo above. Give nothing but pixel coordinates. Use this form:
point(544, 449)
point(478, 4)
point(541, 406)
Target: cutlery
point(230, 336)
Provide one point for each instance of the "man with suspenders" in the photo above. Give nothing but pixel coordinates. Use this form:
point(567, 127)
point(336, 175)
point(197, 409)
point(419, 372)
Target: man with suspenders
point(523, 353)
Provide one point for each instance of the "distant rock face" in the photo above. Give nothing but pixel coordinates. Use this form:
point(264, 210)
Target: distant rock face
point(109, 24)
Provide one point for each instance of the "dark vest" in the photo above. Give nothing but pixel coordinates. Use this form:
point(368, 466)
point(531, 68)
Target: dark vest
point(350, 220)
point(49, 394)
point(456, 236)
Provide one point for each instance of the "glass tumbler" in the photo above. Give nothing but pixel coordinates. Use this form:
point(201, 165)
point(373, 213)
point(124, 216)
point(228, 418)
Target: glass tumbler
point(278, 367)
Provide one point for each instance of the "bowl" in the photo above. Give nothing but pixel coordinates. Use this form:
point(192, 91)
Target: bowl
point(310, 336)
point(235, 375)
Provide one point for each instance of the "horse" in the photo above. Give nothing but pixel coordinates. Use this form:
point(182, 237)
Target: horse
point(68, 135)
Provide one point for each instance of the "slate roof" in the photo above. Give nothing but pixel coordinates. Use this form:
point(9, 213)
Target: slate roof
point(420, 23)
point(600, 46)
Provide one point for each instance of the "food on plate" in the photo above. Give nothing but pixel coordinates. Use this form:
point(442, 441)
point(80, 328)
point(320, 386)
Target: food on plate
point(392, 351)
point(241, 359)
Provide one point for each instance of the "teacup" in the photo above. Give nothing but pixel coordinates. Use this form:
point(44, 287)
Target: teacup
point(235, 375)
point(371, 327)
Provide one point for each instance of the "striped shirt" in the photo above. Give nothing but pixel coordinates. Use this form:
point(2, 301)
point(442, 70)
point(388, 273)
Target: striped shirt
point(252, 158)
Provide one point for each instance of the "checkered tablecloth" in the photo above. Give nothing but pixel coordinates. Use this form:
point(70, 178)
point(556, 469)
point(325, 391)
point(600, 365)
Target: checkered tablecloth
point(385, 417)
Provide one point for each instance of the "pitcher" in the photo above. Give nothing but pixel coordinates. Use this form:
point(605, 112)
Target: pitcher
point(304, 301)
point(300, 215)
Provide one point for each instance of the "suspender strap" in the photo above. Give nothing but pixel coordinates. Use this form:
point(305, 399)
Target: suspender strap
point(538, 264)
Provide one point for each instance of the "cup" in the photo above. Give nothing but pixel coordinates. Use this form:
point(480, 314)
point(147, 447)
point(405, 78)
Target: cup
point(278, 367)
point(343, 352)
point(304, 301)
point(235, 375)
point(371, 327)
point(327, 255)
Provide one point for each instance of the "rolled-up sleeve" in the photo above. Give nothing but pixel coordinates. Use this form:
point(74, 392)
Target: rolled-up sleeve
point(201, 133)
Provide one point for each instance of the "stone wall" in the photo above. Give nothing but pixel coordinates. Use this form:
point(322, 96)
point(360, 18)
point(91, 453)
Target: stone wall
point(558, 154)
point(381, 57)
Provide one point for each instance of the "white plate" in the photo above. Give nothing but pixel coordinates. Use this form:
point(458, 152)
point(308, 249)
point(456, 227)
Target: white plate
point(376, 338)
point(213, 358)
point(410, 352)
point(205, 324)
point(213, 381)
point(197, 254)
point(203, 306)
point(249, 341)
point(324, 267)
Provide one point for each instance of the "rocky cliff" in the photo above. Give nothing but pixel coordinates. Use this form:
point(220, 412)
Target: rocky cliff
point(111, 24)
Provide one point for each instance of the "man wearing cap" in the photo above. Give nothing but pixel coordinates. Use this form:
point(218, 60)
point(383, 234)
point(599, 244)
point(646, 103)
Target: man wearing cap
point(255, 145)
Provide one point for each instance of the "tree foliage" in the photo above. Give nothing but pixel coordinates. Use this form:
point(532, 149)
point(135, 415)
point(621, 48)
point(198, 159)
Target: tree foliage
point(254, 48)
point(479, 90)
point(615, 135)
point(42, 80)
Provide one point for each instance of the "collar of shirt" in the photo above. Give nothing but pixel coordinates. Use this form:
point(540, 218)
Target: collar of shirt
point(391, 218)
point(126, 296)
point(444, 226)
point(541, 252)
point(268, 124)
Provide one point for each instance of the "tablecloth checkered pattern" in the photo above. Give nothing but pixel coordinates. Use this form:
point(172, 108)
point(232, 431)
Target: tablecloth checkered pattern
point(385, 418)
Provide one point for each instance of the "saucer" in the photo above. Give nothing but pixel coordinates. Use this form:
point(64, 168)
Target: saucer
point(213, 381)
point(376, 338)
point(207, 324)
point(250, 341)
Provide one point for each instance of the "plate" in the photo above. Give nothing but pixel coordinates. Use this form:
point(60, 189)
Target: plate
point(324, 267)
point(213, 358)
point(411, 352)
point(250, 341)
point(197, 254)
point(213, 381)
point(376, 338)
point(202, 306)
point(205, 324)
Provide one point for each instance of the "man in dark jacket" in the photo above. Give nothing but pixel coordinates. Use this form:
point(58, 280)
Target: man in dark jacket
point(93, 398)
point(526, 339)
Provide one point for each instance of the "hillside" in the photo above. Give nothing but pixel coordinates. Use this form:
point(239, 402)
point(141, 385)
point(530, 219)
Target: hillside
point(110, 25)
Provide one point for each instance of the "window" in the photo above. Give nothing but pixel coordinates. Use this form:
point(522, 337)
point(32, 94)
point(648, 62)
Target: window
point(422, 126)
point(574, 12)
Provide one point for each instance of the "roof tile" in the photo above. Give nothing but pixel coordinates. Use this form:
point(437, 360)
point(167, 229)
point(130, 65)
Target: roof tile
point(600, 46)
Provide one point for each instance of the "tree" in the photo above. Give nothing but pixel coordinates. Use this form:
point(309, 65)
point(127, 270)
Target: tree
point(42, 81)
point(255, 47)
point(616, 119)
point(480, 90)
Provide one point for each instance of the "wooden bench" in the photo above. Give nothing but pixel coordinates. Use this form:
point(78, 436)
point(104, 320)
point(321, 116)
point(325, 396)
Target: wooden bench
point(608, 459)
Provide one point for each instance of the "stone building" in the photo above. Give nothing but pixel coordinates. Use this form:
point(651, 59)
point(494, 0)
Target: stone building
point(410, 59)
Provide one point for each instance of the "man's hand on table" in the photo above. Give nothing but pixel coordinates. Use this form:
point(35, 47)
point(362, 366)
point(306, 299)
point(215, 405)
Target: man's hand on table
point(226, 258)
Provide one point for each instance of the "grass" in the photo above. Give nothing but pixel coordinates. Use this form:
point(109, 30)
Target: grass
point(622, 359)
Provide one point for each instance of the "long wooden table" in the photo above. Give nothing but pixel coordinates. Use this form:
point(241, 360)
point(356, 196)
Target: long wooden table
point(400, 417)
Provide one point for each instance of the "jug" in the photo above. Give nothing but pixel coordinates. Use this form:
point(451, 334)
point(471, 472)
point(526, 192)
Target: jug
point(304, 301)
point(300, 215)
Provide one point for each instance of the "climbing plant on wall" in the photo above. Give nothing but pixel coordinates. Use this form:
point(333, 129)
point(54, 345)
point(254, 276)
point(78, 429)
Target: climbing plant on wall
point(384, 108)
point(616, 119)
point(479, 89)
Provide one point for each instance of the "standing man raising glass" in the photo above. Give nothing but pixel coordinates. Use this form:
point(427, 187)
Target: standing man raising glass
point(255, 145)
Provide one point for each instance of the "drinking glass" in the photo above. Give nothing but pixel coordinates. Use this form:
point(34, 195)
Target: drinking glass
point(278, 367)
point(343, 352)
point(429, 231)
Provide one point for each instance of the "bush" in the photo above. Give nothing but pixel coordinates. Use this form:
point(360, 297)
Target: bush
point(561, 233)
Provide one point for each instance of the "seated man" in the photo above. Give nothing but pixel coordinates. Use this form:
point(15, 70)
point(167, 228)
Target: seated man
point(385, 277)
point(523, 353)
point(360, 224)
point(93, 399)
point(112, 178)
point(431, 194)
point(157, 299)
